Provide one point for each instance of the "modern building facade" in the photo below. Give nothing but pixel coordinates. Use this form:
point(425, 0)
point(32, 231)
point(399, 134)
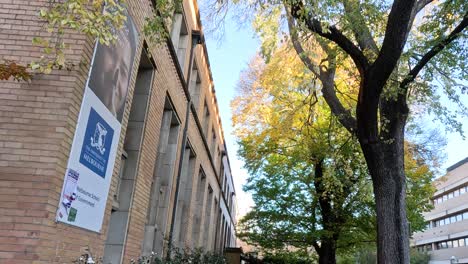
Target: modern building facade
point(446, 235)
point(118, 170)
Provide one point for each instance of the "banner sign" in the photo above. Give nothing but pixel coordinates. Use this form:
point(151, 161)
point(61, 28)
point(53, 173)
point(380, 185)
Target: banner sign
point(93, 152)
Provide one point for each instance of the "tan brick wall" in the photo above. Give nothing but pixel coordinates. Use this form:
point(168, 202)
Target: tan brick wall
point(37, 124)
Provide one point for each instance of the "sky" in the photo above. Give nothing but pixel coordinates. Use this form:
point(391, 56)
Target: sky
point(228, 57)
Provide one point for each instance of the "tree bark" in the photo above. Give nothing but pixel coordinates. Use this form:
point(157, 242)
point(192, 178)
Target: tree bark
point(327, 252)
point(386, 165)
point(331, 220)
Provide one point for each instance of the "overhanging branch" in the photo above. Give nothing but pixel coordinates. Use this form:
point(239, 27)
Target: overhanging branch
point(434, 51)
point(327, 80)
point(331, 33)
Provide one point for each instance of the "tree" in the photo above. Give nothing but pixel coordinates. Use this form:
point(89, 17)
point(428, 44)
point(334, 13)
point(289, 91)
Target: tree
point(308, 177)
point(308, 181)
point(396, 51)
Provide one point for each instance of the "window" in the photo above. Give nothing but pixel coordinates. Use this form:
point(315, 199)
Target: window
point(462, 190)
point(456, 193)
point(455, 243)
point(461, 242)
point(459, 217)
point(206, 120)
point(465, 215)
point(179, 37)
point(208, 210)
point(184, 197)
point(439, 200)
point(198, 210)
point(195, 86)
point(118, 223)
point(453, 219)
point(444, 198)
point(213, 143)
point(123, 160)
point(450, 195)
point(162, 182)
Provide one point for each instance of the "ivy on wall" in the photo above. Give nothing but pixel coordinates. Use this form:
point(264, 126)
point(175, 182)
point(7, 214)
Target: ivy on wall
point(99, 19)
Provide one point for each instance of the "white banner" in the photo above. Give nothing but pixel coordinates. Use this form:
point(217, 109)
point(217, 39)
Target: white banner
point(90, 165)
point(93, 152)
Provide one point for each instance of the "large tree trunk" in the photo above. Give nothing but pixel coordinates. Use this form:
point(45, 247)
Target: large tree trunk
point(385, 160)
point(327, 252)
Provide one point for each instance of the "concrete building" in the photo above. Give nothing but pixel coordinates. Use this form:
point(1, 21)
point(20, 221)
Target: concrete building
point(446, 235)
point(38, 130)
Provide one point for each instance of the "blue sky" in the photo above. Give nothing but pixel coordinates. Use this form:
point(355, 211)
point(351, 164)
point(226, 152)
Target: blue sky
point(228, 58)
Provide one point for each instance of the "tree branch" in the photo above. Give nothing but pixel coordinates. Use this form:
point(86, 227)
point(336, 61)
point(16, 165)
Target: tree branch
point(420, 5)
point(299, 49)
point(327, 79)
point(396, 34)
point(358, 26)
point(434, 51)
point(331, 33)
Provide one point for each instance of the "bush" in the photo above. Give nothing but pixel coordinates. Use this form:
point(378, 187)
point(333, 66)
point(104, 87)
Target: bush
point(186, 256)
point(417, 257)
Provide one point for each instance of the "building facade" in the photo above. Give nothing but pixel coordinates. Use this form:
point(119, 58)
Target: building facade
point(446, 235)
point(168, 173)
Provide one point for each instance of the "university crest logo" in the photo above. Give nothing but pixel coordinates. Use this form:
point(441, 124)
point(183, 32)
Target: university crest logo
point(96, 144)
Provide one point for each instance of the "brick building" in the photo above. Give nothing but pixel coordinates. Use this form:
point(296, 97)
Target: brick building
point(446, 235)
point(38, 123)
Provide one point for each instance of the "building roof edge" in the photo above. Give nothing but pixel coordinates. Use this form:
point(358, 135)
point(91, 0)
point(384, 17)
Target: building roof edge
point(458, 164)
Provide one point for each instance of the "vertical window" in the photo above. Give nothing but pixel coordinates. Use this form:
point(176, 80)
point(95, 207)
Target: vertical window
point(213, 143)
point(179, 37)
point(198, 209)
point(162, 182)
point(429, 247)
point(184, 197)
point(221, 170)
point(123, 160)
point(118, 224)
point(206, 120)
point(208, 219)
point(195, 86)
